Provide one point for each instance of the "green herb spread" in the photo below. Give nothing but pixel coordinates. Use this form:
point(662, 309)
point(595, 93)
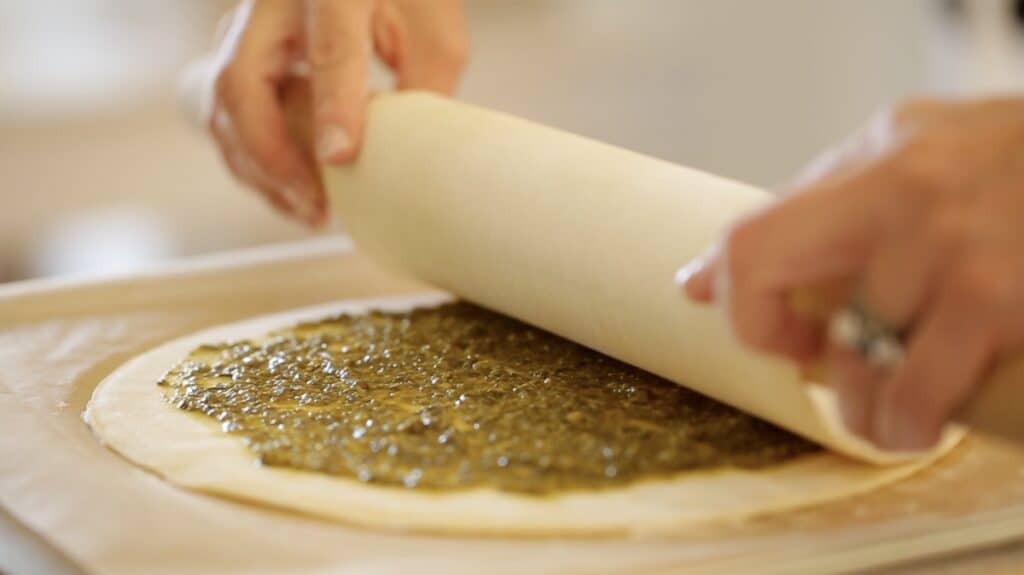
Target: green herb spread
point(457, 397)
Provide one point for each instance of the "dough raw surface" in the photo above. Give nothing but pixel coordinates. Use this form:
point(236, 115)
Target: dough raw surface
point(568, 234)
point(572, 235)
point(129, 414)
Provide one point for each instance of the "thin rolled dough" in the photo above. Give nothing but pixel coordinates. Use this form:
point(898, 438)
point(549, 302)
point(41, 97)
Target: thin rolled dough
point(575, 236)
point(129, 414)
point(568, 234)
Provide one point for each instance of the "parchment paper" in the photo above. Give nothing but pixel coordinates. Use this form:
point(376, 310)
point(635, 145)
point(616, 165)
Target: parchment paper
point(58, 339)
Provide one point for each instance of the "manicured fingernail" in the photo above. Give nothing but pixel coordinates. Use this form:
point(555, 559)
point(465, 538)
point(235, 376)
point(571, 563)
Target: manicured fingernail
point(332, 141)
point(898, 432)
point(689, 270)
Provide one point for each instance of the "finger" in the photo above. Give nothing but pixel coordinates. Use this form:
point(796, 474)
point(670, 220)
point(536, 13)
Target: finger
point(945, 359)
point(262, 131)
point(245, 171)
point(816, 235)
point(900, 278)
point(697, 278)
point(339, 52)
point(792, 335)
point(856, 385)
point(232, 152)
point(276, 199)
point(388, 29)
point(284, 200)
point(247, 93)
point(768, 322)
point(430, 55)
point(823, 235)
point(248, 172)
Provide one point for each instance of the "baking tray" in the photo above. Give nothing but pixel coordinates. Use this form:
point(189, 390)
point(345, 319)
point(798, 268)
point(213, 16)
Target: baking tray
point(72, 505)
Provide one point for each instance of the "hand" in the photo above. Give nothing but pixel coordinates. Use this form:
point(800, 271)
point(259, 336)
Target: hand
point(923, 216)
point(267, 43)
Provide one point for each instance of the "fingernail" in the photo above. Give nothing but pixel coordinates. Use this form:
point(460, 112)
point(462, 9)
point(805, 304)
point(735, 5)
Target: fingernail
point(898, 432)
point(333, 140)
point(689, 270)
point(853, 411)
point(301, 206)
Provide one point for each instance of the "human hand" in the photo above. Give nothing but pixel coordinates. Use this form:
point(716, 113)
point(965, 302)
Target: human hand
point(922, 216)
point(266, 44)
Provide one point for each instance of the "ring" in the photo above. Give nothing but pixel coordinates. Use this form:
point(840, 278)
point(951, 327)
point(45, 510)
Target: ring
point(855, 328)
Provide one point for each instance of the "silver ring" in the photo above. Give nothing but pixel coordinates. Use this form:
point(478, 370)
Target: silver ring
point(856, 329)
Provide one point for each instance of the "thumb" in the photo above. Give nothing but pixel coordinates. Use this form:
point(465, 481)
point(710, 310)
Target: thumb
point(338, 47)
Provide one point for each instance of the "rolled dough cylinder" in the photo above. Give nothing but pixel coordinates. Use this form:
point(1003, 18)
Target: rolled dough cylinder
point(572, 235)
point(577, 237)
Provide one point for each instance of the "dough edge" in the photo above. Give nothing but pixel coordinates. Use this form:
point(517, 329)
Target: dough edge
point(129, 415)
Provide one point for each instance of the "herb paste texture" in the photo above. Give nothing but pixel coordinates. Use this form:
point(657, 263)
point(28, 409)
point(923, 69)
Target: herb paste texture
point(457, 397)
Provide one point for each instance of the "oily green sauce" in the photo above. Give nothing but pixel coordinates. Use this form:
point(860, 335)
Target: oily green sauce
point(457, 397)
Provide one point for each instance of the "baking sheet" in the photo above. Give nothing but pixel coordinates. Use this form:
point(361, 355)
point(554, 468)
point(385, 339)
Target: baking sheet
point(59, 338)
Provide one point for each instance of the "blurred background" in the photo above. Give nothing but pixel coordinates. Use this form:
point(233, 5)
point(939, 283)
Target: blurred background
point(100, 172)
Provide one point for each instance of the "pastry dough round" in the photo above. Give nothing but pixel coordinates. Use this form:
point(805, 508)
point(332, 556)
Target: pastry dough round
point(129, 414)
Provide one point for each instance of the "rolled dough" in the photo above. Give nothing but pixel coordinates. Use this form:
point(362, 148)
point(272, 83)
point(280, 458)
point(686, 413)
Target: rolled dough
point(572, 235)
point(129, 414)
point(568, 234)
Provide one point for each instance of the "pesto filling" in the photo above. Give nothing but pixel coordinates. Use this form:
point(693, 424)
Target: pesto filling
point(457, 397)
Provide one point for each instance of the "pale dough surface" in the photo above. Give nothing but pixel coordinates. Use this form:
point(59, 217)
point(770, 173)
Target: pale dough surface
point(565, 233)
point(129, 414)
point(575, 236)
